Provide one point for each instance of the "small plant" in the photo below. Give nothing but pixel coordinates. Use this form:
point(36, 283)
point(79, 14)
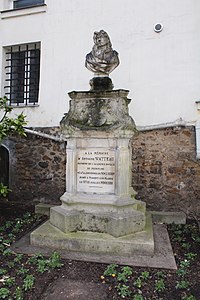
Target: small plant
point(190, 297)
point(186, 246)
point(123, 290)
point(7, 252)
point(184, 263)
point(34, 259)
point(11, 264)
point(28, 282)
point(4, 293)
point(178, 238)
point(196, 237)
point(182, 284)
point(173, 226)
point(11, 237)
point(27, 217)
point(122, 277)
point(138, 282)
point(18, 226)
point(2, 228)
point(181, 272)
point(111, 269)
point(188, 228)
point(144, 275)
point(3, 272)
point(160, 274)
point(190, 255)
point(45, 264)
point(2, 247)
point(178, 232)
point(10, 281)
point(54, 261)
point(8, 224)
point(18, 294)
point(4, 190)
point(160, 285)
point(22, 271)
point(125, 274)
point(42, 265)
point(18, 258)
point(127, 270)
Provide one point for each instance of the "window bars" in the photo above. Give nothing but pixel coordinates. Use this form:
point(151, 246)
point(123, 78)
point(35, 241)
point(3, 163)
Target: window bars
point(26, 3)
point(22, 74)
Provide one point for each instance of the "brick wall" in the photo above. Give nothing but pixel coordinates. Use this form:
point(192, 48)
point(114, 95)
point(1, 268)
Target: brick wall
point(166, 174)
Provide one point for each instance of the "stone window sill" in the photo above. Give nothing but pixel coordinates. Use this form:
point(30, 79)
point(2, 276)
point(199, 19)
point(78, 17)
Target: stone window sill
point(24, 11)
point(24, 106)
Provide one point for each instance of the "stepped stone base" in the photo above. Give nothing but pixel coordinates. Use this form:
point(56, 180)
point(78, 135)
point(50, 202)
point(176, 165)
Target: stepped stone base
point(114, 224)
point(49, 236)
point(99, 213)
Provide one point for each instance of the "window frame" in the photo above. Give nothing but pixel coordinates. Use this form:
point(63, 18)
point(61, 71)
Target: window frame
point(10, 12)
point(27, 5)
point(25, 67)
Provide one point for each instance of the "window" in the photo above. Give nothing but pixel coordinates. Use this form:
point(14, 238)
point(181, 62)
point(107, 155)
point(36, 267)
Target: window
point(22, 74)
point(27, 3)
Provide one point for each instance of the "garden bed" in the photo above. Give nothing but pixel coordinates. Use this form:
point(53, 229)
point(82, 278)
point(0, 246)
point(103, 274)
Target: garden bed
point(28, 277)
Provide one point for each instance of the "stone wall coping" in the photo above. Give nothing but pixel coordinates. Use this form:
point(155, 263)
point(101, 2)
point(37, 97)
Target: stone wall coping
point(176, 124)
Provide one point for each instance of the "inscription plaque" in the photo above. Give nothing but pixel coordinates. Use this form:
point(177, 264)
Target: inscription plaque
point(96, 170)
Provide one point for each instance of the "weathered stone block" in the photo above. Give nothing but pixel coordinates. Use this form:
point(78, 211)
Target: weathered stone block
point(116, 224)
point(67, 221)
point(92, 242)
point(105, 111)
point(169, 217)
point(43, 209)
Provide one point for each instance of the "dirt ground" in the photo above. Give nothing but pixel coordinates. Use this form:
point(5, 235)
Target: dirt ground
point(85, 280)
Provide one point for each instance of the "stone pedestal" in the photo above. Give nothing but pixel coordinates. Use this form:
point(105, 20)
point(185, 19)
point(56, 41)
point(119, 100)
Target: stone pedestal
point(97, 194)
point(99, 201)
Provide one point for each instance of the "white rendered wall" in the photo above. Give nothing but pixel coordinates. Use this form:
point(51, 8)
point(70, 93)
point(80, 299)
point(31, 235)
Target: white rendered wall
point(161, 70)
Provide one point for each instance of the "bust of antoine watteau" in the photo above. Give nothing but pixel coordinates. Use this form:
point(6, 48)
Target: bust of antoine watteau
point(102, 60)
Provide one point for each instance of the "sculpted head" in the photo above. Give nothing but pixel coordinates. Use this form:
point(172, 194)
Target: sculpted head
point(101, 38)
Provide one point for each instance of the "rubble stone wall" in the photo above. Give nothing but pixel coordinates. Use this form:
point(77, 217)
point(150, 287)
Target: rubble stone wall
point(166, 173)
point(37, 169)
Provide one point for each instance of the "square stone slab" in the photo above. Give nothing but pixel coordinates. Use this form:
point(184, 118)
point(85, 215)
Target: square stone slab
point(95, 243)
point(162, 258)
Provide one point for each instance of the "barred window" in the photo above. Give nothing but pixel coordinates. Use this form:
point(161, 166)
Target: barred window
point(22, 74)
point(26, 3)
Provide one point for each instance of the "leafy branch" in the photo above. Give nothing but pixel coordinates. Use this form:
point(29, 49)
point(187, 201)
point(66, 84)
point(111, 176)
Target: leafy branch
point(9, 125)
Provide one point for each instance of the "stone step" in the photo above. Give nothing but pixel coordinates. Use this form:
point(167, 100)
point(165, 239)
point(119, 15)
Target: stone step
point(115, 224)
point(85, 243)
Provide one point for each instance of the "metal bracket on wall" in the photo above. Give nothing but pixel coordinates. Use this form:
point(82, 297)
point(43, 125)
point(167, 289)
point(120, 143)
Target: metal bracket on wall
point(198, 104)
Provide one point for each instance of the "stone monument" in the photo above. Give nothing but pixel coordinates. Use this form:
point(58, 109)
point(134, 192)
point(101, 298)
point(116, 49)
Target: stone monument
point(99, 214)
